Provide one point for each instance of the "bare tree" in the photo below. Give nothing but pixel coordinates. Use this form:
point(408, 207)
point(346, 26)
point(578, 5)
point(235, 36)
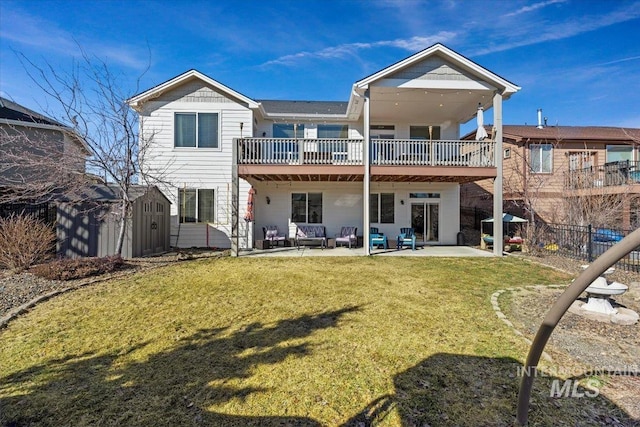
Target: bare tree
point(39, 160)
point(91, 100)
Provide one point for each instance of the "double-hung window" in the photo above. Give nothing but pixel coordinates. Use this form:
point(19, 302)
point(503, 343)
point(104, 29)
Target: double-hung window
point(306, 208)
point(196, 130)
point(196, 205)
point(382, 208)
point(541, 158)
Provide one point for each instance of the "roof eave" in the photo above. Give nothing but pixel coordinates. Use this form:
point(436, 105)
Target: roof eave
point(507, 88)
point(136, 101)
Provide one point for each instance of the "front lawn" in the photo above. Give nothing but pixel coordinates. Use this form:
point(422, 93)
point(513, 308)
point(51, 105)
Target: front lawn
point(281, 341)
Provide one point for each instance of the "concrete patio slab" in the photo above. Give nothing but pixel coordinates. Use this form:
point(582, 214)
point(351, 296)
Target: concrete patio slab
point(424, 251)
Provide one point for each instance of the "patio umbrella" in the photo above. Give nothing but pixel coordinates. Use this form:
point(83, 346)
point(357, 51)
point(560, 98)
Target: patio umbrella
point(507, 218)
point(481, 133)
point(248, 216)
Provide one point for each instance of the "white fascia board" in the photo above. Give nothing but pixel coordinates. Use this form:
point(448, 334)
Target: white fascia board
point(310, 117)
point(170, 84)
point(434, 84)
point(508, 87)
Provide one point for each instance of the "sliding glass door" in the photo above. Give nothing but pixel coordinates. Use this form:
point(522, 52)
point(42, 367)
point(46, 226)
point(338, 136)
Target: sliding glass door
point(424, 220)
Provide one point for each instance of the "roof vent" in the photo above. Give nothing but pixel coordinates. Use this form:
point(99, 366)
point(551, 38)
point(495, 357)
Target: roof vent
point(540, 119)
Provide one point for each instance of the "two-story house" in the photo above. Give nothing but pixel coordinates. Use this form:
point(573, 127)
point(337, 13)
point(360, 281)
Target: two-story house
point(567, 174)
point(38, 155)
point(390, 156)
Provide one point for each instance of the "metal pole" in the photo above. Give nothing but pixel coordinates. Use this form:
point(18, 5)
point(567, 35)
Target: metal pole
point(498, 241)
point(366, 182)
point(235, 190)
point(599, 266)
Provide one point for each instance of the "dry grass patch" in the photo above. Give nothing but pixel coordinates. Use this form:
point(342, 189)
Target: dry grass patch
point(326, 341)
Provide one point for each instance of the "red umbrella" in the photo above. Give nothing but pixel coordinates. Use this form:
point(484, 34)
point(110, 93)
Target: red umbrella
point(248, 216)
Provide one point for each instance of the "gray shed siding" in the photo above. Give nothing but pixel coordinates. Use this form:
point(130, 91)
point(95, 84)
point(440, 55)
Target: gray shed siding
point(85, 231)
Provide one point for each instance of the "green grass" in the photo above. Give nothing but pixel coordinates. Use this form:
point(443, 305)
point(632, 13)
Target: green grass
point(325, 341)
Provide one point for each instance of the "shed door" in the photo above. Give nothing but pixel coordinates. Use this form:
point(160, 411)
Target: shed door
point(153, 227)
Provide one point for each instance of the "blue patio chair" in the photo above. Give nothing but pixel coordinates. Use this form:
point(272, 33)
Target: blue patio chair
point(377, 238)
point(406, 237)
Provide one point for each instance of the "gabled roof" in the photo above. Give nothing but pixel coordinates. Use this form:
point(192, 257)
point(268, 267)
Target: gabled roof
point(158, 90)
point(111, 192)
point(14, 114)
point(520, 133)
point(506, 86)
point(13, 111)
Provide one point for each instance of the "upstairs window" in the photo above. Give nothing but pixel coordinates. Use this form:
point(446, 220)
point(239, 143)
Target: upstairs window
point(619, 153)
point(286, 130)
point(422, 133)
point(196, 130)
point(541, 158)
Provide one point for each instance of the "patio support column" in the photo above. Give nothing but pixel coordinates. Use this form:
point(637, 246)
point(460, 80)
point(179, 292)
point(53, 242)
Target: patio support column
point(367, 174)
point(235, 190)
point(498, 242)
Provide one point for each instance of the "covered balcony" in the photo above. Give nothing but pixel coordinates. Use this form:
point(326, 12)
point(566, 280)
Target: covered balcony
point(282, 159)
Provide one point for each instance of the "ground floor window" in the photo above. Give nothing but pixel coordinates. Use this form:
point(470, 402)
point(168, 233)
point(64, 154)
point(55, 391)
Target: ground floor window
point(196, 205)
point(306, 208)
point(382, 208)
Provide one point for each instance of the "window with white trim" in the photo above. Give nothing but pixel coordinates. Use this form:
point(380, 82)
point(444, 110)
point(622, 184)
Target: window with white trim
point(306, 208)
point(541, 158)
point(196, 130)
point(196, 205)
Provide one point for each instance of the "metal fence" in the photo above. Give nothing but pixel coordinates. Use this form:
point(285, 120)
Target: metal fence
point(44, 212)
point(585, 243)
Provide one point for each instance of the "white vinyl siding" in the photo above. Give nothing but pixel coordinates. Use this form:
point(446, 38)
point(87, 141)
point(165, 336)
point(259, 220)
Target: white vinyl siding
point(197, 168)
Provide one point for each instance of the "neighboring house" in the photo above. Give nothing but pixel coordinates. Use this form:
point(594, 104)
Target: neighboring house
point(91, 227)
point(37, 154)
point(390, 156)
point(567, 174)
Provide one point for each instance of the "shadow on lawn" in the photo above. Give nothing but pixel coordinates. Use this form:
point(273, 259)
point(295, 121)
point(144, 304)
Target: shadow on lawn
point(461, 390)
point(170, 388)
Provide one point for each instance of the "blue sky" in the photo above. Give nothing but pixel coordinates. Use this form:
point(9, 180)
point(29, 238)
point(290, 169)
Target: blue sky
point(578, 60)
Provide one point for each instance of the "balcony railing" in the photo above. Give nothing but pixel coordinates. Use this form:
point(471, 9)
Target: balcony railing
point(611, 174)
point(391, 152)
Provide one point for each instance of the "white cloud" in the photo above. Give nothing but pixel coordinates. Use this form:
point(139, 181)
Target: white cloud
point(27, 31)
point(413, 44)
point(533, 7)
point(566, 29)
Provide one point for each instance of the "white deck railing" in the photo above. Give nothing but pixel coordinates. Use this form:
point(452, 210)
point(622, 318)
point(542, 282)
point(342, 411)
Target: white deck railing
point(391, 152)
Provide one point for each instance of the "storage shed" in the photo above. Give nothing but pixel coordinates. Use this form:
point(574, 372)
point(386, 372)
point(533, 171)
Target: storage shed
point(91, 228)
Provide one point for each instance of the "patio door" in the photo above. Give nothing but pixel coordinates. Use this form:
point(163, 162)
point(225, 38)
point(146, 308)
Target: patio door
point(424, 220)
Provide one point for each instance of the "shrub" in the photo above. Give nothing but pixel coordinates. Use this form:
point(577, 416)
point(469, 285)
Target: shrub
point(69, 269)
point(24, 241)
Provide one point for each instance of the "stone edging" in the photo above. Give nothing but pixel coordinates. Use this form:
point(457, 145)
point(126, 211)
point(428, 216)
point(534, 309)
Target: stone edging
point(496, 307)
